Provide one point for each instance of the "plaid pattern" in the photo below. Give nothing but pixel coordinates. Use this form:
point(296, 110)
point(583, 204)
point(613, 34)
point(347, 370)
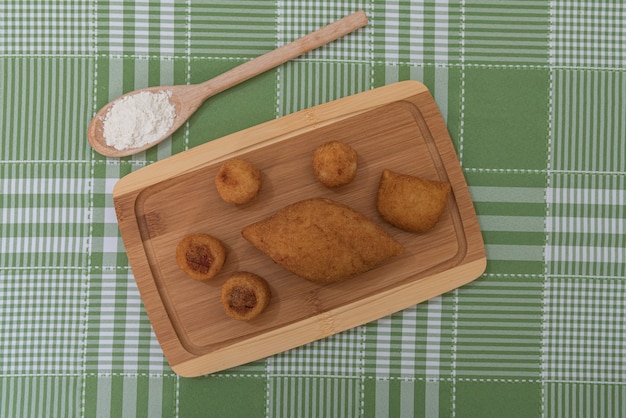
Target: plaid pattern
point(587, 226)
point(589, 119)
point(532, 93)
point(141, 28)
point(582, 344)
point(509, 33)
point(42, 323)
point(48, 97)
point(588, 33)
point(117, 326)
point(338, 355)
point(416, 340)
point(35, 27)
point(232, 30)
point(45, 215)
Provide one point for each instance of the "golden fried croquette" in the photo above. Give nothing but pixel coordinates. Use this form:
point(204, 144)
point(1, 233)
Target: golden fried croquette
point(238, 181)
point(201, 256)
point(245, 295)
point(334, 163)
point(322, 241)
point(409, 202)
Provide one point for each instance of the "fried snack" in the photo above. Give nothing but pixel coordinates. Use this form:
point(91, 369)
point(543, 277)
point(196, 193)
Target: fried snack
point(334, 163)
point(201, 256)
point(245, 295)
point(322, 241)
point(409, 202)
point(238, 181)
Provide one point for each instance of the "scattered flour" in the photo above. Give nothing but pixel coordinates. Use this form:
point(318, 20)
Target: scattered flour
point(139, 119)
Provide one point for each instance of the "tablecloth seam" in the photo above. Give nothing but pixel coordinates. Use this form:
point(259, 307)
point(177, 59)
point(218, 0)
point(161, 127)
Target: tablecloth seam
point(547, 240)
point(375, 61)
point(455, 292)
point(90, 211)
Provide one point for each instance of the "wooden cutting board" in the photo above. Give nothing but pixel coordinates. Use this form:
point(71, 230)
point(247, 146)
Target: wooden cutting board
point(397, 127)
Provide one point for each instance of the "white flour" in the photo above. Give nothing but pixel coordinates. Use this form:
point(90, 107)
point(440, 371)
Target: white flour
point(139, 119)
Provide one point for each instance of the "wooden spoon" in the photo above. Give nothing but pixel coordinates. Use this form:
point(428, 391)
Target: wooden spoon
point(188, 98)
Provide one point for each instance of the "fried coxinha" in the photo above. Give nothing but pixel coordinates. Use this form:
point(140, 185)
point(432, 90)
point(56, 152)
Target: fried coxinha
point(322, 240)
point(409, 202)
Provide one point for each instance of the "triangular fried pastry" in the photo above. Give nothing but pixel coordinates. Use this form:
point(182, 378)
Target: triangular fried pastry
point(411, 203)
point(322, 241)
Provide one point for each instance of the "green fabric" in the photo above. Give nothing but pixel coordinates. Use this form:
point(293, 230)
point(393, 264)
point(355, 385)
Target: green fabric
point(533, 95)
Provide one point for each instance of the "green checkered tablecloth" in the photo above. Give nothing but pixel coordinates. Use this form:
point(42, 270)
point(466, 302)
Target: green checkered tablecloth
point(534, 96)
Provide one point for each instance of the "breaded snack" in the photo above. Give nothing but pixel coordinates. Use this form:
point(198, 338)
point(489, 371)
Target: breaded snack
point(322, 241)
point(201, 256)
point(245, 295)
point(238, 181)
point(334, 163)
point(409, 202)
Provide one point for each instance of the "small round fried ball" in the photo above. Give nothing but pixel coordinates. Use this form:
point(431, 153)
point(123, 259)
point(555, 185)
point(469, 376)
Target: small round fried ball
point(201, 256)
point(245, 295)
point(334, 163)
point(238, 181)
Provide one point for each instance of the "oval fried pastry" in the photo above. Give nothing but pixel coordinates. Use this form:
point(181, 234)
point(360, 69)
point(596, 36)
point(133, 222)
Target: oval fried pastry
point(409, 202)
point(322, 241)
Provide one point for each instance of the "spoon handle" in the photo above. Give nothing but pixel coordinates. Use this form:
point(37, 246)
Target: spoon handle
point(283, 54)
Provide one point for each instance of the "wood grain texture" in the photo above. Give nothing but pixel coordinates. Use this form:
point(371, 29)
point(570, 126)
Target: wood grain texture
point(397, 127)
point(187, 98)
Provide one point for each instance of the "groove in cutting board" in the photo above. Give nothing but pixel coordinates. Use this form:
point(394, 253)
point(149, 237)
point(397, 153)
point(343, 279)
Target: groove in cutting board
point(396, 127)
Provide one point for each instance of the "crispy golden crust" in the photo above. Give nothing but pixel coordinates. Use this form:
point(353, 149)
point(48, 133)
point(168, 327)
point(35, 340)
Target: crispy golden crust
point(245, 295)
point(238, 181)
point(335, 163)
point(322, 241)
point(201, 256)
point(409, 202)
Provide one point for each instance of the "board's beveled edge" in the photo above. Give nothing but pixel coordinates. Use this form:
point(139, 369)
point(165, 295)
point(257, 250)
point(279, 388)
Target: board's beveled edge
point(234, 143)
point(342, 318)
point(134, 183)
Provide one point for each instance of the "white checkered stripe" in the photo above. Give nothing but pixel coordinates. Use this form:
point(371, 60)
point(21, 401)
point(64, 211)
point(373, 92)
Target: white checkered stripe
point(41, 321)
point(45, 215)
point(587, 235)
point(589, 121)
point(107, 246)
point(311, 397)
point(403, 36)
point(142, 28)
point(337, 356)
point(35, 27)
point(296, 19)
point(584, 336)
point(305, 78)
point(414, 341)
point(119, 335)
point(589, 33)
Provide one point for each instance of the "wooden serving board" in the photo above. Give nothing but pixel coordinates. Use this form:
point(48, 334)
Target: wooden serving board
point(397, 127)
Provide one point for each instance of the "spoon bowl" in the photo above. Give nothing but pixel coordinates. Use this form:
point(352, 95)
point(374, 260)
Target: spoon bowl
point(188, 98)
point(185, 98)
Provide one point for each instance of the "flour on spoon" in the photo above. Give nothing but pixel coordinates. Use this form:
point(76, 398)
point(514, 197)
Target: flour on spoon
point(139, 120)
